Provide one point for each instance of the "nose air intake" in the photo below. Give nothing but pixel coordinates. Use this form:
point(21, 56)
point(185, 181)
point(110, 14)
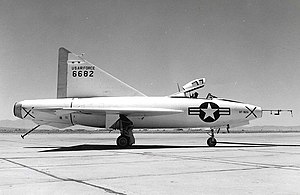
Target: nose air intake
point(18, 110)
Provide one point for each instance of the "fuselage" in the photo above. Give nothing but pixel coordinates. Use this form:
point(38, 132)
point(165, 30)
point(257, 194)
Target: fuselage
point(190, 112)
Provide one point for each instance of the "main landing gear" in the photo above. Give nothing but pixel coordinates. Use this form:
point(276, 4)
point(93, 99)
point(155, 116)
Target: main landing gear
point(125, 126)
point(211, 142)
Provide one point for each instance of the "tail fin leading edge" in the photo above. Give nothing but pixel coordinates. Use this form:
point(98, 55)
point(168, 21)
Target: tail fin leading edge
point(80, 78)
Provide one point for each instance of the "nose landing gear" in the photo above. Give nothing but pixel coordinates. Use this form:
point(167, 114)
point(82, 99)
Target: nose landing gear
point(211, 142)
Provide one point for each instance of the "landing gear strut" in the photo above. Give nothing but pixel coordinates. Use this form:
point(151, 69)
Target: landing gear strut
point(211, 142)
point(125, 126)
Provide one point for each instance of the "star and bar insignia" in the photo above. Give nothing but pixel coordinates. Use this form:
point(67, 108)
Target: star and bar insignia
point(208, 111)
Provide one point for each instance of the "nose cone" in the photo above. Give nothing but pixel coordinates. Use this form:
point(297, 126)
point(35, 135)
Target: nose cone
point(18, 110)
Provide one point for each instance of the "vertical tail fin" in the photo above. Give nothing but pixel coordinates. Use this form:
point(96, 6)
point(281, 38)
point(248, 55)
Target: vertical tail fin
point(80, 78)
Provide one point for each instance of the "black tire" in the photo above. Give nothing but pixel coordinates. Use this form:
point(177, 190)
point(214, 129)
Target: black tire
point(122, 142)
point(211, 142)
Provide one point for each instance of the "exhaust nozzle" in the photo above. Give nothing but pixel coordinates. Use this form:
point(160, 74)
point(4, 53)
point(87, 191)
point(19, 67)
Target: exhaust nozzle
point(18, 110)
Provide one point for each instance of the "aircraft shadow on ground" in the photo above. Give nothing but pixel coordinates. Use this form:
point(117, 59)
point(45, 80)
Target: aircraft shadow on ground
point(260, 144)
point(86, 147)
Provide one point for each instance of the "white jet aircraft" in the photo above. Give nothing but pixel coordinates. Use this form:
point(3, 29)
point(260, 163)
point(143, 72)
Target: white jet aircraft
point(87, 95)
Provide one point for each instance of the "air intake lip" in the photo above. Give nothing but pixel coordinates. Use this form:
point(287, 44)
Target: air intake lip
point(18, 110)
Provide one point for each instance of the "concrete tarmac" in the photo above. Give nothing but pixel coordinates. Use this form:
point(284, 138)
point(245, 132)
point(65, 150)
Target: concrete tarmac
point(157, 164)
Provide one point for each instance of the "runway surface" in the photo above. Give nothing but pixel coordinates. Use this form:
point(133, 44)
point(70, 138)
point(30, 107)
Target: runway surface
point(157, 164)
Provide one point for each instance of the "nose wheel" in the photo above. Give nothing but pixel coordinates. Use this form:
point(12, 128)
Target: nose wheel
point(211, 142)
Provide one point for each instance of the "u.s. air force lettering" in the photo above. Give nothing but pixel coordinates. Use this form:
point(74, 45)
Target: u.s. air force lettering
point(83, 71)
point(208, 111)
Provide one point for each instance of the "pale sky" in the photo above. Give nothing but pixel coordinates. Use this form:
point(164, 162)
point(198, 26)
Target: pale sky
point(247, 50)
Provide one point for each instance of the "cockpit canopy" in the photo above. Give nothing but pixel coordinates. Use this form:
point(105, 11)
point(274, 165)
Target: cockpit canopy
point(190, 87)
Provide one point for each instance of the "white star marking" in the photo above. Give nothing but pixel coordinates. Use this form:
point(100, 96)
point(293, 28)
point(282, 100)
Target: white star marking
point(209, 112)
